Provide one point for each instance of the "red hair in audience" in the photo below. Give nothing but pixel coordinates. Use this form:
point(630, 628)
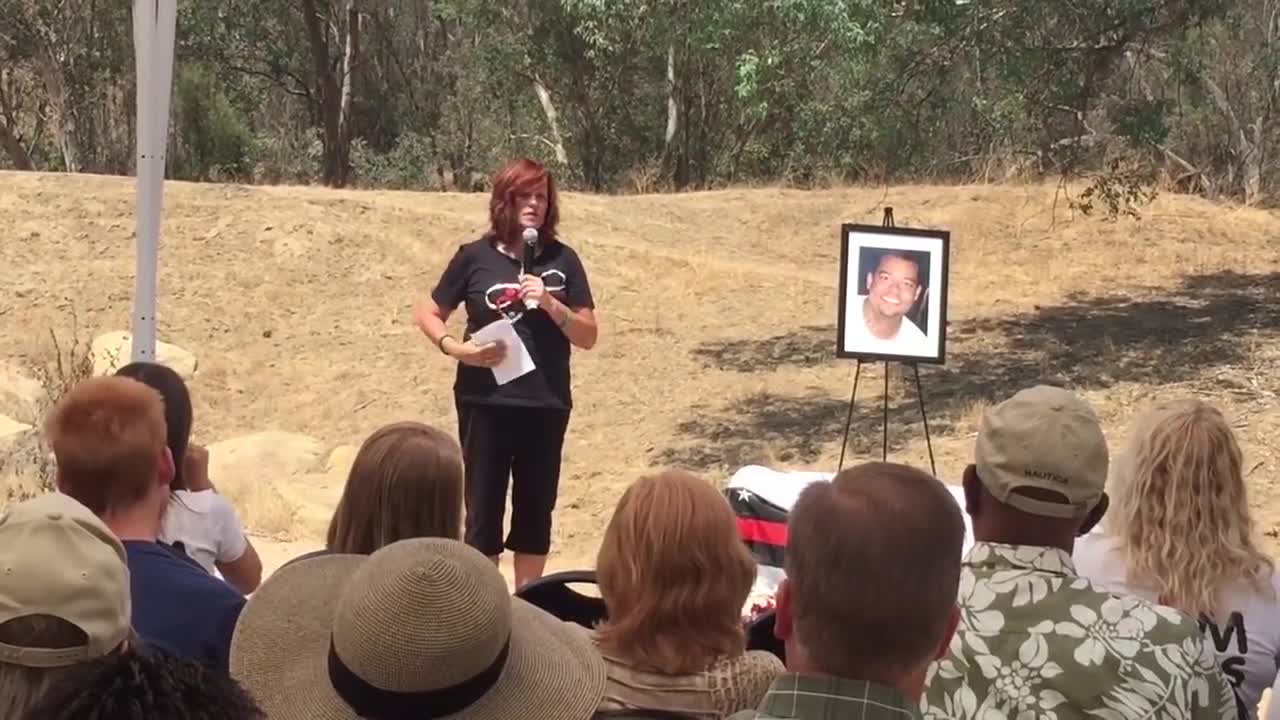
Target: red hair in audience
point(109, 440)
point(674, 575)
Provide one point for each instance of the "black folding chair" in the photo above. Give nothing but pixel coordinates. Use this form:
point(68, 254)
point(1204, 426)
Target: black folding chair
point(640, 715)
point(553, 594)
point(760, 635)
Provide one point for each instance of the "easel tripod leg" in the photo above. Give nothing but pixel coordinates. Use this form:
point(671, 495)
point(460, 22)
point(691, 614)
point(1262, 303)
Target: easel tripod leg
point(848, 420)
point(924, 417)
point(884, 448)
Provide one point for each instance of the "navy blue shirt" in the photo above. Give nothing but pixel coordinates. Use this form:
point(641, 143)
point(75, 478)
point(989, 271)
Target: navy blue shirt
point(179, 606)
point(487, 282)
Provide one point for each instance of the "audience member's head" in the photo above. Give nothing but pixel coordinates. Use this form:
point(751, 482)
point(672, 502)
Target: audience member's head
point(674, 575)
point(1181, 507)
point(177, 408)
point(64, 597)
point(421, 628)
point(1039, 472)
point(406, 482)
point(148, 686)
point(109, 442)
point(873, 569)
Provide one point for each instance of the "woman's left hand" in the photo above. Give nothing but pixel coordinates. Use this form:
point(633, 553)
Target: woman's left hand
point(532, 288)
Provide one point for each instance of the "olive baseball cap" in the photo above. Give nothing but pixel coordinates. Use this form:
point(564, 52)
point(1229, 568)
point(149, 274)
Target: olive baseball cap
point(1045, 438)
point(57, 558)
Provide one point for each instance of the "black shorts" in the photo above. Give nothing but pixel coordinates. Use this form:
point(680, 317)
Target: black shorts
point(520, 443)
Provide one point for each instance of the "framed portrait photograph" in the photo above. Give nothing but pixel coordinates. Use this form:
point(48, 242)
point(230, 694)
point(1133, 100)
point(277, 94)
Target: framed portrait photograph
point(893, 294)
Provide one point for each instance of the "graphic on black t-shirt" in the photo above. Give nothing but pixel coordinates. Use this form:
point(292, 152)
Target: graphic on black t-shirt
point(505, 298)
point(554, 280)
point(1233, 665)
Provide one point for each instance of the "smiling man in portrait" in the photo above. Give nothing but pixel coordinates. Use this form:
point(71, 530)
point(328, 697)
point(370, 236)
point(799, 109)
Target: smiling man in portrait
point(878, 321)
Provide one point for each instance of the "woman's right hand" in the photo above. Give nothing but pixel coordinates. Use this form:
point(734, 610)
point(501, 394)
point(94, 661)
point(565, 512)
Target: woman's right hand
point(195, 468)
point(468, 353)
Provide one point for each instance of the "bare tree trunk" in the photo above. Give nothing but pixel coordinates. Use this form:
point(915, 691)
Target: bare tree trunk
point(350, 56)
point(51, 73)
point(1251, 163)
point(1248, 152)
point(553, 119)
point(18, 155)
point(327, 90)
point(673, 110)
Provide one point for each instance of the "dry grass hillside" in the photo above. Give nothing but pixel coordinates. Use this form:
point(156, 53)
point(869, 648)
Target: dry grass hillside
point(717, 314)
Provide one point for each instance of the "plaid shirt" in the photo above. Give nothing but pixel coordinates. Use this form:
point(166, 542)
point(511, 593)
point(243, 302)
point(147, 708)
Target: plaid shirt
point(811, 697)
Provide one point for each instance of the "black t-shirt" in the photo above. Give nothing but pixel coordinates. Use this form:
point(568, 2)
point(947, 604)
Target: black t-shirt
point(488, 281)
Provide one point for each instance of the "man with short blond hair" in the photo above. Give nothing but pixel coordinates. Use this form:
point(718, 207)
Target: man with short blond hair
point(109, 441)
point(873, 566)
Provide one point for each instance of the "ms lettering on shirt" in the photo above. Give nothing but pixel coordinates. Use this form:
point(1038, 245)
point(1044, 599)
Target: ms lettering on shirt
point(1233, 663)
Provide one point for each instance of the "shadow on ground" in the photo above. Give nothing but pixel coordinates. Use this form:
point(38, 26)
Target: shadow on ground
point(1204, 324)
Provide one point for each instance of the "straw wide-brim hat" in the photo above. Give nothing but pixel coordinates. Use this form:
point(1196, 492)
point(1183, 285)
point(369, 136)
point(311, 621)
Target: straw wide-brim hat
point(422, 628)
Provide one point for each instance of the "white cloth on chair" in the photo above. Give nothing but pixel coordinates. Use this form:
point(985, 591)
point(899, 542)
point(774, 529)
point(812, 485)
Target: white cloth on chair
point(763, 497)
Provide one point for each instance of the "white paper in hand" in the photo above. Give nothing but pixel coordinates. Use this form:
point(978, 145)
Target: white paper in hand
point(517, 362)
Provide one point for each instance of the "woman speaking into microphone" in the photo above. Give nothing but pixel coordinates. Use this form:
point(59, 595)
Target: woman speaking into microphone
point(515, 429)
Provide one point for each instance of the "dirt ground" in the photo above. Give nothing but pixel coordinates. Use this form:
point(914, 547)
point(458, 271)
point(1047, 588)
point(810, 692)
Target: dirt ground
point(717, 316)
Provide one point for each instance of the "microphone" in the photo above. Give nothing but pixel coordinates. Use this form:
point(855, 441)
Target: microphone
point(530, 237)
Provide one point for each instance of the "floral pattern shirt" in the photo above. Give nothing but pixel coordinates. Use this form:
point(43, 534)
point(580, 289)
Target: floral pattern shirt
point(1038, 641)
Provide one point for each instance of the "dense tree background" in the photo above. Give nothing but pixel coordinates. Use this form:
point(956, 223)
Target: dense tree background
point(656, 95)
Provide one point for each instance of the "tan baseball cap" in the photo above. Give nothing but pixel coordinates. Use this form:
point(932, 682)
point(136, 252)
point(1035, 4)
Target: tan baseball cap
point(57, 558)
point(1047, 438)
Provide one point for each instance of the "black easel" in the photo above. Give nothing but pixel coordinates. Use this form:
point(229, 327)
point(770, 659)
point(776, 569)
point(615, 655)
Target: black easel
point(857, 372)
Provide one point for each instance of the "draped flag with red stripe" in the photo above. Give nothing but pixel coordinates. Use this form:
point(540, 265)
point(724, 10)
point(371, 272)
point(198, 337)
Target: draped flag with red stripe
point(761, 524)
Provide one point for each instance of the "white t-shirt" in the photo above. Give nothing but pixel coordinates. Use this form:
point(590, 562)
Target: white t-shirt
point(207, 526)
point(1247, 643)
point(909, 340)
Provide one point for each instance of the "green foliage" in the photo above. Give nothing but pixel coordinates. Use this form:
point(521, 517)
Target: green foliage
point(796, 91)
point(1142, 122)
point(405, 167)
point(212, 140)
point(1122, 190)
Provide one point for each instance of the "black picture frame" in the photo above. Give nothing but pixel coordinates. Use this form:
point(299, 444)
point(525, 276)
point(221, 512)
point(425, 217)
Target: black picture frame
point(917, 243)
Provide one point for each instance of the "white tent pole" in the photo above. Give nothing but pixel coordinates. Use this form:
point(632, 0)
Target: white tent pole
point(154, 26)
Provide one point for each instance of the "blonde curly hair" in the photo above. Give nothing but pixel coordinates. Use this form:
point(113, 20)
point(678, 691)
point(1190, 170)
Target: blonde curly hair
point(1181, 509)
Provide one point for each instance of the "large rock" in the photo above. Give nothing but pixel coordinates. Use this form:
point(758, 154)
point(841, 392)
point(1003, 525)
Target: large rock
point(340, 460)
point(112, 351)
point(272, 455)
point(20, 395)
point(315, 496)
point(25, 468)
point(251, 471)
point(10, 427)
point(18, 444)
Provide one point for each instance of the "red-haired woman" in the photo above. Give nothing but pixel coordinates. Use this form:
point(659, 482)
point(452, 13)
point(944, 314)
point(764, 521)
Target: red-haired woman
point(516, 429)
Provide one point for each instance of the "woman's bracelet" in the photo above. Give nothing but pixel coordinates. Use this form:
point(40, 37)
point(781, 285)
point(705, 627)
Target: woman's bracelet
point(440, 345)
